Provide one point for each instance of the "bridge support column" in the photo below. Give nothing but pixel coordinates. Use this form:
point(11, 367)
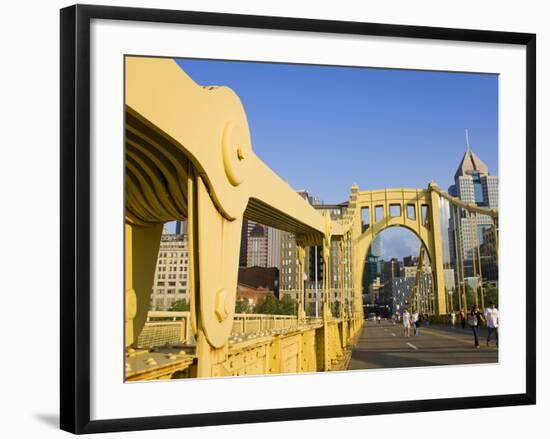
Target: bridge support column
point(301, 314)
point(217, 249)
point(436, 253)
point(342, 285)
point(210, 359)
point(141, 249)
point(327, 302)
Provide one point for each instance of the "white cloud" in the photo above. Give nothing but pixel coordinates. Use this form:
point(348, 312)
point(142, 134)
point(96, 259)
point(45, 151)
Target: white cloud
point(397, 242)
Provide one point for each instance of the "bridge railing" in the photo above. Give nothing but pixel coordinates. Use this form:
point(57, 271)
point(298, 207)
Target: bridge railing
point(247, 323)
point(174, 327)
point(166, 327)
point(315, 298)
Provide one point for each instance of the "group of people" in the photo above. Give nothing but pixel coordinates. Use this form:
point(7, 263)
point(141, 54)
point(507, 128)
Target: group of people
point(410, 321)
point(475, 319)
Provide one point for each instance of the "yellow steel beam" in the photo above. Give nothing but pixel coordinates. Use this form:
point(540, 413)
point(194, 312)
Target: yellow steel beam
point(208, 126)
point(470, 207)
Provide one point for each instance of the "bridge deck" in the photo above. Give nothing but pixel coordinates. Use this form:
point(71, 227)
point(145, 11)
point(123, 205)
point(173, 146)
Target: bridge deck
point(385, 346)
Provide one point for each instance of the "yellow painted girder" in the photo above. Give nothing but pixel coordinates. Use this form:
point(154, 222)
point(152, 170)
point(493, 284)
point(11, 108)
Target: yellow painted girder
point(493, 213)
point(209, 125)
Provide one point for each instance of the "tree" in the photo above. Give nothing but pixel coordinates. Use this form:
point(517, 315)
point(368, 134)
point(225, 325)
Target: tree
point(287, 305)
point(242, 306)
point(180, 305)
point(470, 295)
point(269, 306)
point(491, 295)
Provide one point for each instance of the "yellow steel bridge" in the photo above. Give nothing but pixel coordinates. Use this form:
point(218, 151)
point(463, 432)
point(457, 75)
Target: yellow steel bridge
point(189, 156)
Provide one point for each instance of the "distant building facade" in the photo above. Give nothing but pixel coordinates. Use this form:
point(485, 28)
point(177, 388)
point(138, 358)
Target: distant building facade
point(260, 277)
point(290, 267)
point(473, 185)
point(245, 231)
point(254, 296)
point(374, 292)
point(372, 264)
point(397, 293)
point(408, 271)
point(410, 261)
point(171, 281)
point(390, 270)
point(273, 248)
point(181, 227)
point(488, 255)
point(256, 249)
point(314, 266)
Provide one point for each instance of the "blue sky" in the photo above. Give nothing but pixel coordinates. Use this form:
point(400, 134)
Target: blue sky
point(323, 128)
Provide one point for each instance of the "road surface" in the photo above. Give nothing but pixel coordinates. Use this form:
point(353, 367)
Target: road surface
point(384, 345)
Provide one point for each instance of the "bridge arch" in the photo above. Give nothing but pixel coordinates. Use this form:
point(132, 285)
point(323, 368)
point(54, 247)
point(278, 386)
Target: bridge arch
point(417, 210)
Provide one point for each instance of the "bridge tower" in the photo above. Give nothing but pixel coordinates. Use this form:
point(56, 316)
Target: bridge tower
point(414, 209)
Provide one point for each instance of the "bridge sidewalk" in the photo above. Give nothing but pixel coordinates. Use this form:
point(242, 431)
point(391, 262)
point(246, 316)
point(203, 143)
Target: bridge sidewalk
point(385, 346)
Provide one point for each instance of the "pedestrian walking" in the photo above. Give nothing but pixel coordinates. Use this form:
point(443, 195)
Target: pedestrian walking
point(415, 322)
point(406, 323)
point(492, 317)
point(453, 318)
point(475, 318)
point(463, 318)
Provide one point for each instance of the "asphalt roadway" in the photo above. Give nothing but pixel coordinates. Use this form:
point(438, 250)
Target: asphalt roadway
point(384, 345)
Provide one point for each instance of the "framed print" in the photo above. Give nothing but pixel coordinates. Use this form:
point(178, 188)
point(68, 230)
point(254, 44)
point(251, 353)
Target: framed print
point(274, 218)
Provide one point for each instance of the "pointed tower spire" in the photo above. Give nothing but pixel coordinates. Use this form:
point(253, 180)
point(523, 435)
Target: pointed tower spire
point(470, 162)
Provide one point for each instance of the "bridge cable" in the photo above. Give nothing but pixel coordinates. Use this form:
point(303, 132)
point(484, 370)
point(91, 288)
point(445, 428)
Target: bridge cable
point(482, 299)
point(474, 269)
point(461, 258)
point(456, 268)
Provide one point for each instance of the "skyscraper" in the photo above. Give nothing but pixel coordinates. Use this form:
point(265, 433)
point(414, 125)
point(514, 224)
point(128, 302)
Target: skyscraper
point(257, 247)
point(181, 227)
point(243, 254)
point(273, 247)
point(390, 270)
point(289, 272)
point(290, 268)
point(474, 185)
point(372, 265)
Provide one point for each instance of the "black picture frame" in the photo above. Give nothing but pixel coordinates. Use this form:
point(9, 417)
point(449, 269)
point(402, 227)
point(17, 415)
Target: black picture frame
point(75, 217)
